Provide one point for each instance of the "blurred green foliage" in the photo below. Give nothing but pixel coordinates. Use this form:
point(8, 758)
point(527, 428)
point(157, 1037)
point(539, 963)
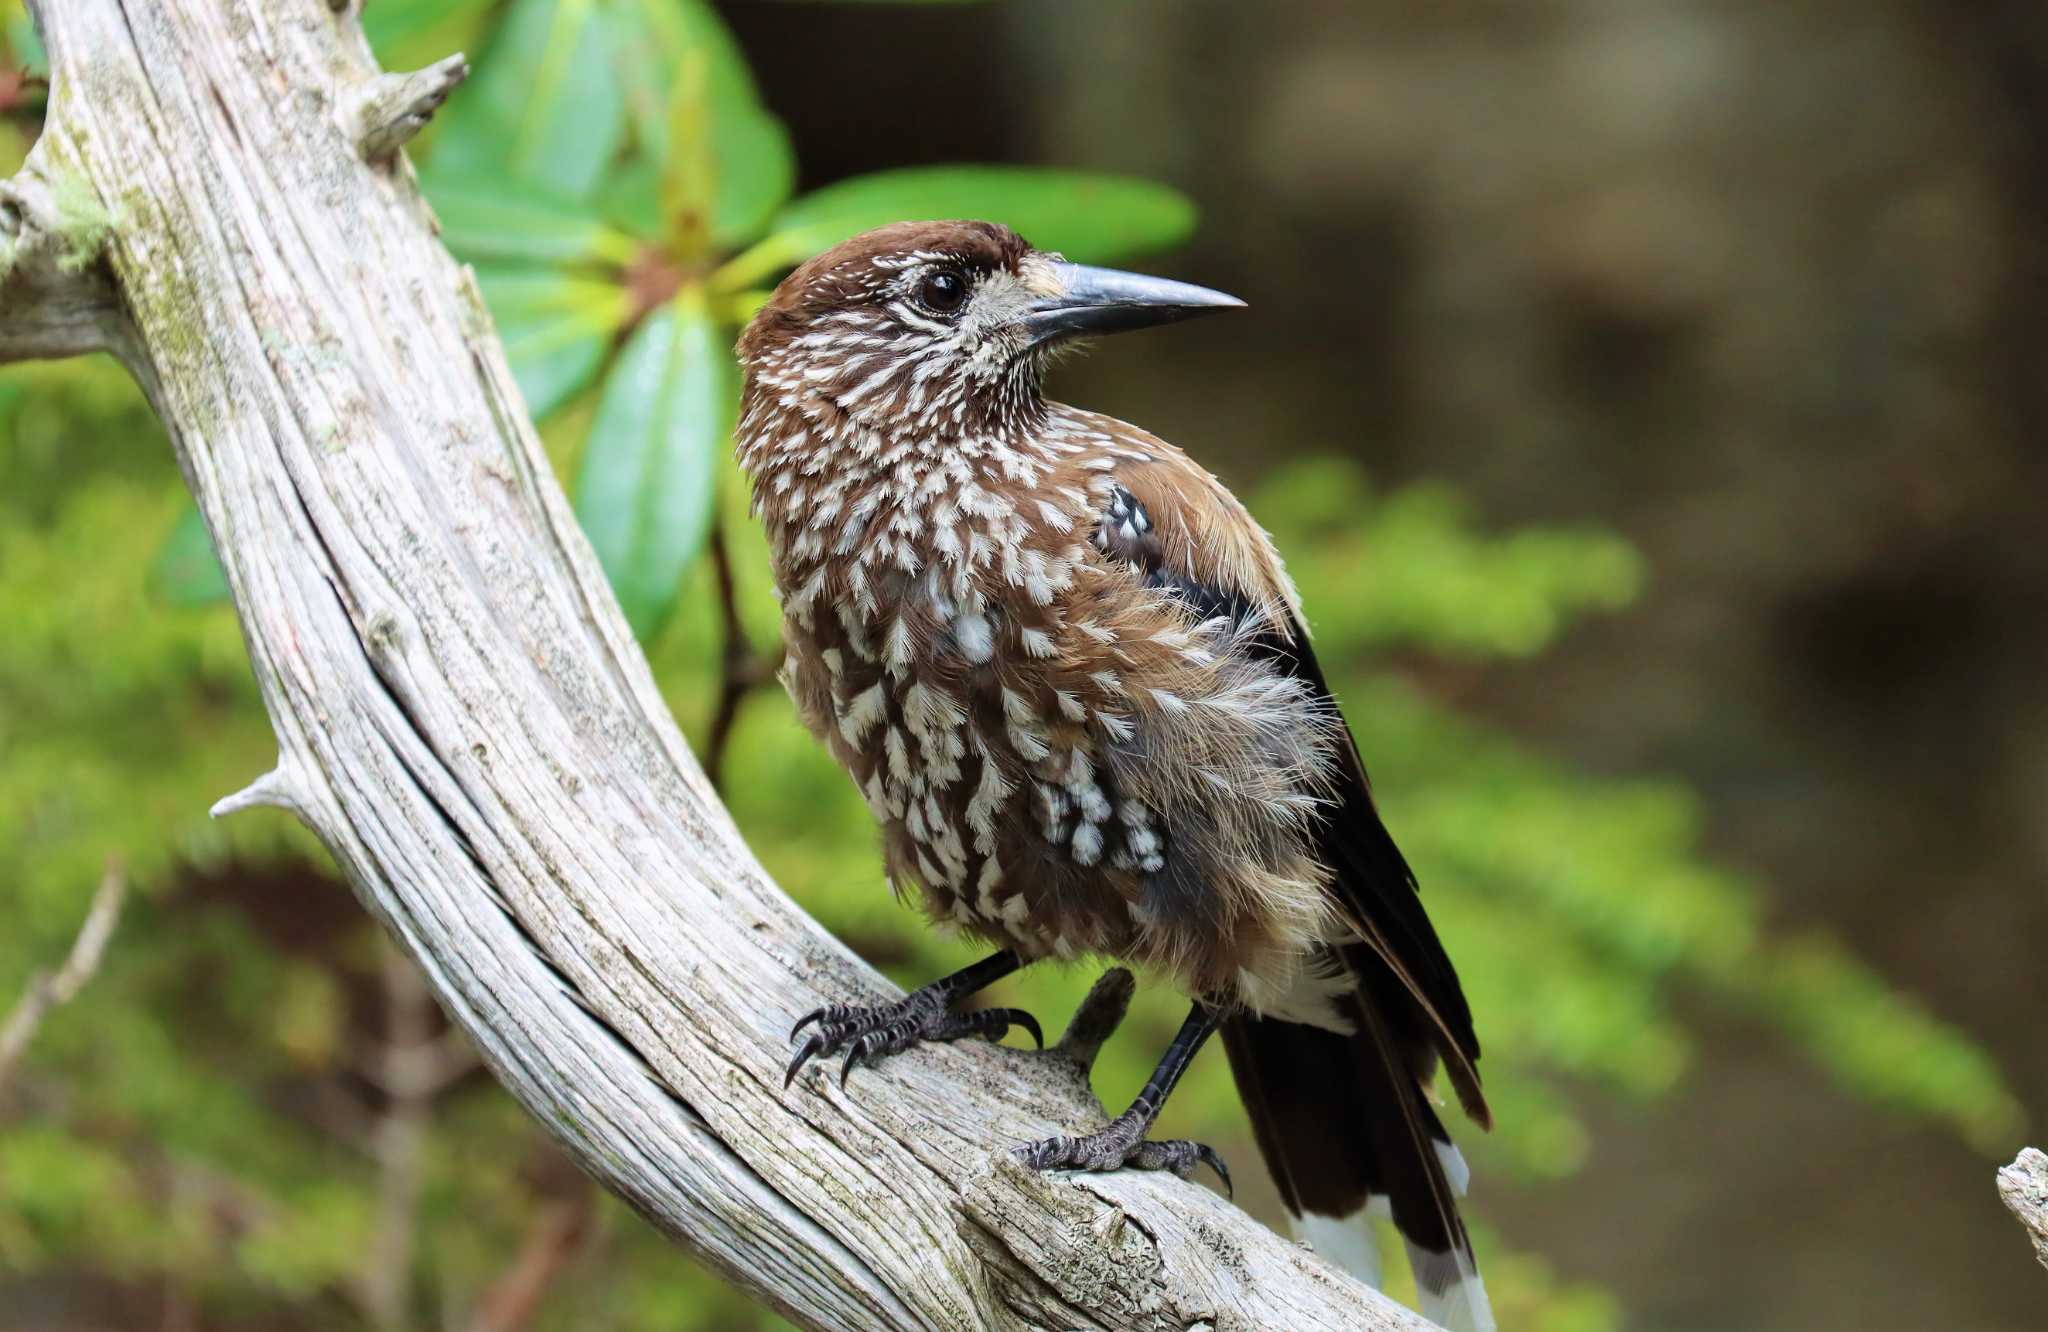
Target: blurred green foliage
point(197, 1129)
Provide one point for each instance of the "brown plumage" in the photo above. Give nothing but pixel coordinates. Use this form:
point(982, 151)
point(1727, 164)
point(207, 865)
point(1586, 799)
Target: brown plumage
point(1068, 672)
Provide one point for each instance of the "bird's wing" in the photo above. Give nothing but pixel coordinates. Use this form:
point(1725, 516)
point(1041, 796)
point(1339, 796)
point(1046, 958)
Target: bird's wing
point(1190, 536)
point(1342, 1121)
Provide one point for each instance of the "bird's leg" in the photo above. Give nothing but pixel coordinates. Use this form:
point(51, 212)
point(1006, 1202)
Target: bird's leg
point(925, 1014)
point(1122, 1141)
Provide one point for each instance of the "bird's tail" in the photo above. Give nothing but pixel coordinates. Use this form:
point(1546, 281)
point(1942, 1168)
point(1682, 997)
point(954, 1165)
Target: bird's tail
point(1349, 1135)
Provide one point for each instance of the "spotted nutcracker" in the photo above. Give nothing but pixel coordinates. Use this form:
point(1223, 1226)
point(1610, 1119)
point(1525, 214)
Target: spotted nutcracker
point(1068, 673)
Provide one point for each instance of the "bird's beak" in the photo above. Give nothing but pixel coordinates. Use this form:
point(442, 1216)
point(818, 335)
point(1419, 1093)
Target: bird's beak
point(1103, 300)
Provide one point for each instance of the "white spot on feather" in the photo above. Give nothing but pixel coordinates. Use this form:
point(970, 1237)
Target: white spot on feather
point(976, 640)
point(862, 713)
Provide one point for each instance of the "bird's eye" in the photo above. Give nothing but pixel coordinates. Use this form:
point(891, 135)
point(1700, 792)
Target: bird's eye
point(943, 292)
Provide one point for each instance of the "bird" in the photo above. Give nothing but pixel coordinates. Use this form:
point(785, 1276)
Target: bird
point(1071, 678)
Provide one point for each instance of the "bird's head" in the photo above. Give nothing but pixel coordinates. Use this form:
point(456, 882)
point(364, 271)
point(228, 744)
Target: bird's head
point(944, 327)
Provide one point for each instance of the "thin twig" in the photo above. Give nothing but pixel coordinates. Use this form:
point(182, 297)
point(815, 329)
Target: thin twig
point(557, 1236)
point(400, 1142)
point(740, 668)
point(46, 991)
point(422, 1071)
point(20, 90)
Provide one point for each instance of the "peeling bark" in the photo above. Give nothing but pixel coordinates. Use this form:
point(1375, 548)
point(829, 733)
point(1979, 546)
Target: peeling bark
point(464, 718)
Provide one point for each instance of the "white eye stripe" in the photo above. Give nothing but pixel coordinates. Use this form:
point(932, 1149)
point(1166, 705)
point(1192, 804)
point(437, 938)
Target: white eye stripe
point(909, 314)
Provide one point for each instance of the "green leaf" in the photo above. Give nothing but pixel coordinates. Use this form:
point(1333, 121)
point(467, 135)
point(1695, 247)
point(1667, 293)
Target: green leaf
point(501, 221)
point(689, 173)
point(645, 493)
point(1087, 216)
point(26, 44)
point(185, 572)
point(631, 198)
point(546, 106)
point(556, 328)
point(756, 173)
point(752, 167)
point(1883, 1044)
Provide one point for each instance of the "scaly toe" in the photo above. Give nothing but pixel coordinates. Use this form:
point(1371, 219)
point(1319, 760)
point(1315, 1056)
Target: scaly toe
point(1111, 1150)
point(1047, 1153)
point(1180, 1156)
point(867, 1034)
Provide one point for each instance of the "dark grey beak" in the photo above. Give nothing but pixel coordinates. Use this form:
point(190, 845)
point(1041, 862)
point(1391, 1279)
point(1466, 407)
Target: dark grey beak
point(1103, 300)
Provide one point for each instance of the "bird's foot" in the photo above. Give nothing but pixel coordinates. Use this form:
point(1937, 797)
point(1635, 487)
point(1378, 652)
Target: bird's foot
point(922, 1015)
point(1123, 1144)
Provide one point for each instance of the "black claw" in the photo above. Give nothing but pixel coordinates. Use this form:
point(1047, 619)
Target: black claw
point(865, 1034)
point(812, 1044)
point(859, 1052)
point(1017, 1017)
point(1215, 1162)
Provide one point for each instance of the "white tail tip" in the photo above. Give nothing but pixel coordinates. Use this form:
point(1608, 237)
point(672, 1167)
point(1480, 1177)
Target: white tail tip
point(1347, 1241)
point(1450, 1292)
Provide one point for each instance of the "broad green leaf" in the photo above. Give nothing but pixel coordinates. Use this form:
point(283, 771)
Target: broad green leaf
point(26, 44)
point(546, 106)
point(185, 572)
point(689, 170)
point(645, 493)
point(556, 329)
point(756, 172)
point(631, 198)
point(496, 220)
point(1087, 216)
point(752, 166)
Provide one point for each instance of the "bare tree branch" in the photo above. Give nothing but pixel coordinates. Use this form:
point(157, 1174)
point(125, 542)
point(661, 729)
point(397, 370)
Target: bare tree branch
point(558, 1234)
point(741, 670)
point(391, 108)
point(2024, 1187)
point(55, 299)
point(399, 1143)
point(46, 990)
point(464, 719)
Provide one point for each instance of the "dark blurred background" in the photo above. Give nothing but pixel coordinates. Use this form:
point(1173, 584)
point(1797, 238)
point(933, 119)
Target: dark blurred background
point(1758, 286)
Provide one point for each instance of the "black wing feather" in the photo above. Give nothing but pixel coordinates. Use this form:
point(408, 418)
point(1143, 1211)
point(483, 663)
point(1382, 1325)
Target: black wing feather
point(1369, 873)
point(1333, 1141)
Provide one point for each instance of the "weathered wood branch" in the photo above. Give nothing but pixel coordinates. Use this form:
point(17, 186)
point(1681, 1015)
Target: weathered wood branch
point(464, 718)
point(2024, 1187)
point(55, 299)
